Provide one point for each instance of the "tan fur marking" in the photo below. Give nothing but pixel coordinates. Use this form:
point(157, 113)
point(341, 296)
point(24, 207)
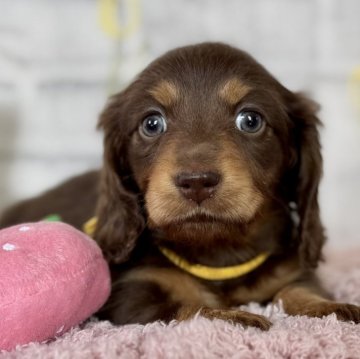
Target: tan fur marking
point(234, 316)
point(165, 92)
point(297, 300)
point(239, 197)
point(187, 312)
point(162, 198)
point(268, 284)
point(233, 91)
point(181, 287)
point(308, 300)
point(236, 199)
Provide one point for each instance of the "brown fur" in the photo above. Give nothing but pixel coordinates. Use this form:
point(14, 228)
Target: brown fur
point(74, 200)
point(234, 316)
point(266, 286)
point(265, 198)
point(190, 292)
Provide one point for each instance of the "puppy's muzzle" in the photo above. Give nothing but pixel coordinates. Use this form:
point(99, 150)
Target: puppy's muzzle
point(197, 186)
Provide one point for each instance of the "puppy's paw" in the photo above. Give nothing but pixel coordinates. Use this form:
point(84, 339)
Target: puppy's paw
point(237, 316)
point(344, 312)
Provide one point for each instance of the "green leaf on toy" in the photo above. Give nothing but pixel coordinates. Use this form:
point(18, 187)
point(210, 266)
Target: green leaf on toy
point(53, 218)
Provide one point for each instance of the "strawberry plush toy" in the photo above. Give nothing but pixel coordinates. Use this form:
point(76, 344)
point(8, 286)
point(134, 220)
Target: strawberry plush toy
point(52, 277)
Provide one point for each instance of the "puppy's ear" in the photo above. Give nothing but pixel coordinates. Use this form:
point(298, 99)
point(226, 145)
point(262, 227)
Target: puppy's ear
point(119, 216)
point(306, 179)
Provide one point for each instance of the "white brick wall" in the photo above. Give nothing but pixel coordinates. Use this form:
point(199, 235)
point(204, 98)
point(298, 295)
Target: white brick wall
point(55, 62)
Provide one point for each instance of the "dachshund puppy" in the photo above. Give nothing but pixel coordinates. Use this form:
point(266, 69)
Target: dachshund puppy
point(207, 198)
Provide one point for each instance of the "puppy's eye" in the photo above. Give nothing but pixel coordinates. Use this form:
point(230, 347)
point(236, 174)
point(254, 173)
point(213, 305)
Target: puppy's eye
point(153, 125)
point(249, 121)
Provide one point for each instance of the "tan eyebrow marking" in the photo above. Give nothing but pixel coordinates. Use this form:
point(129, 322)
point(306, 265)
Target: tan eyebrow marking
point(165, 92)
point(233, 90)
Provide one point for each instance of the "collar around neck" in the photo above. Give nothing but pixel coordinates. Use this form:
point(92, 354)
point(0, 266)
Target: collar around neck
point(214, 273)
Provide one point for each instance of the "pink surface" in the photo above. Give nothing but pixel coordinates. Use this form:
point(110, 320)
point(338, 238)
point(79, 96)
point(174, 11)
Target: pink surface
point(52, 277)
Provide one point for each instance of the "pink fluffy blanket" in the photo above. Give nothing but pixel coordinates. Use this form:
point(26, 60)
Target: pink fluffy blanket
point(290, 337)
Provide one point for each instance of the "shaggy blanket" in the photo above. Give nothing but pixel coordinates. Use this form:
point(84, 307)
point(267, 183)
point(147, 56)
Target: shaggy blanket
point(290, 337)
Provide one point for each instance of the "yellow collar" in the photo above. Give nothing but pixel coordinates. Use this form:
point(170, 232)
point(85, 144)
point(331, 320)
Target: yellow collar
point(198, 270)
point(214, 273)
point(90, 226)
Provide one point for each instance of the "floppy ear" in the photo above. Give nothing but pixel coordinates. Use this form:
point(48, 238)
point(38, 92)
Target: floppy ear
point(307, 177)
point(119, 217)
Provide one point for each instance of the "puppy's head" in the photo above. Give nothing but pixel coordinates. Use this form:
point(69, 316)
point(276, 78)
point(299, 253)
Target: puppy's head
point(198, 144)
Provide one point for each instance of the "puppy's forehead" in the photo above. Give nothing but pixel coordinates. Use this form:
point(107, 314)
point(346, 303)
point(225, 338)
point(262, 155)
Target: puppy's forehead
point(205, 73)
point(231, 91)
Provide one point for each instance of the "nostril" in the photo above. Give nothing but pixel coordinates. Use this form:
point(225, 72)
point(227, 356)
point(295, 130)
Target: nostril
point(211, 179)
point(183, 180)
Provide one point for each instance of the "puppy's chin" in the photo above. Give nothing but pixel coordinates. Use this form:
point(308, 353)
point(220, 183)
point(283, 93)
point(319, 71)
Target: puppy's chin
point(201, 230)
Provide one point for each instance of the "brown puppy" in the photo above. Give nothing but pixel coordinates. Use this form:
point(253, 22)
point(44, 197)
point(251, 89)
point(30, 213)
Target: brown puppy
point(209, 163)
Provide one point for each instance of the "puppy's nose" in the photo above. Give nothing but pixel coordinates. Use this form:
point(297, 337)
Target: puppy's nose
point(197, 186)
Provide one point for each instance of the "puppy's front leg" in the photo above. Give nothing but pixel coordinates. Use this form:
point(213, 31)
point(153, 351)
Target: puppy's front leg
point(308, 299)
point(232, 315)
point(144, 301)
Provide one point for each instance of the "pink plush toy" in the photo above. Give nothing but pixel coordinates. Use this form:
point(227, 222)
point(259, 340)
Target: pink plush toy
point(52, 277)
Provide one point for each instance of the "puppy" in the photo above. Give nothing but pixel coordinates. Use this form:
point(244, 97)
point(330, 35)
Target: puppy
point(207, 198)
